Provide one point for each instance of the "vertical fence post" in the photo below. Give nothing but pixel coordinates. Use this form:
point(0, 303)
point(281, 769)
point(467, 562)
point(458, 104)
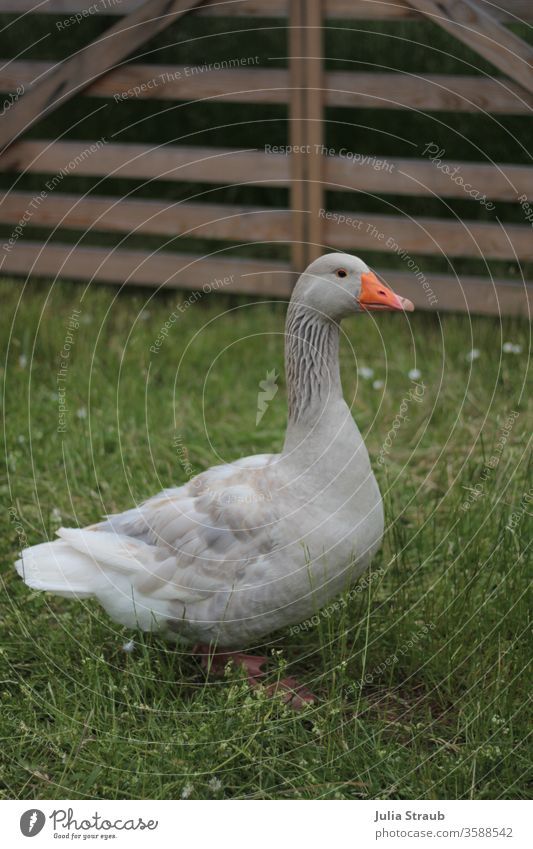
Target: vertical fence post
point(306, 130)
point(314, 126)
point(297, 133)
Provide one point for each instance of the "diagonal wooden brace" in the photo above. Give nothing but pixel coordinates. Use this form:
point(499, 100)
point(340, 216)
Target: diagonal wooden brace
point(472, 24)
point(89, 63)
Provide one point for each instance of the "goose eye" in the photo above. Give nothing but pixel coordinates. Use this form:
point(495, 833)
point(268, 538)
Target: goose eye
point(341, 272)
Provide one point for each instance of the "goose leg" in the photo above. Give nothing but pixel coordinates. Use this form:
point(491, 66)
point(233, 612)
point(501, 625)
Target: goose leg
point(294, 694)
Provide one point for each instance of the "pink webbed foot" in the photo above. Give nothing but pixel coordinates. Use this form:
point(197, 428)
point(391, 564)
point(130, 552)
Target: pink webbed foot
point(293, 693)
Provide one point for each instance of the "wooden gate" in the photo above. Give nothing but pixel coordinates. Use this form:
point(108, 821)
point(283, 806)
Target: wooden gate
point(306, 89)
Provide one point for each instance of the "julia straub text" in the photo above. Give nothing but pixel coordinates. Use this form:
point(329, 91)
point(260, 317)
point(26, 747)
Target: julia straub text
point(408, 815)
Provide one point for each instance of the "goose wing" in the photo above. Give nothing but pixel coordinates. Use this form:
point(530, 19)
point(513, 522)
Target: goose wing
point(188, 542)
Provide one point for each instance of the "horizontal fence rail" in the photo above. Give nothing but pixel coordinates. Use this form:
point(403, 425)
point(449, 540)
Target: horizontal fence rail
point(444, 92)
point(505, 10)
point(160, 269)
point(265, 278)
point(307, 223)
point(232, 166)
point(238, 223)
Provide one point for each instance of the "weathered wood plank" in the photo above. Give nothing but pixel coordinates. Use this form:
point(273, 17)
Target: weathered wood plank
point(505, 10)
point(423, 177)
point(166, 82)
point(427, 236)
point(137, 161)
point(230, 222)
point(73, 74)
point(90, 8)
point(166, 218)
point(477, 295)
point(243, 167)
point(476, 27)
point(162, 269)
point(431, 93)
point(251, 277)
point(444, 92)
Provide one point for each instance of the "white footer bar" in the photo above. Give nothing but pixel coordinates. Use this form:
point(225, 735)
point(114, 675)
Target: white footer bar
point(268, 824)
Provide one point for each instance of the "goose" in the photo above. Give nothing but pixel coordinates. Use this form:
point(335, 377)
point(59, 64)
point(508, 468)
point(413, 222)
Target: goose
point(252, 546)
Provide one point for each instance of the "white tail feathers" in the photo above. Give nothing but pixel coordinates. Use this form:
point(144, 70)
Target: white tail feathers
point(79, 562)
point(57, 567)
point(129, 577)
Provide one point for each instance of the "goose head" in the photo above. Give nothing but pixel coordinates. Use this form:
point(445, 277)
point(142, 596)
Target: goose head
point(338, 285)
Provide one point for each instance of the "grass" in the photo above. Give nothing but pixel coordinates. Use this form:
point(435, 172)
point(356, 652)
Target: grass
point(421, 672)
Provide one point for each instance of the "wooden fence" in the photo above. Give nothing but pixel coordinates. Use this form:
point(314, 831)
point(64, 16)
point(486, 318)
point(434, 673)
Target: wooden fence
point(306, 89)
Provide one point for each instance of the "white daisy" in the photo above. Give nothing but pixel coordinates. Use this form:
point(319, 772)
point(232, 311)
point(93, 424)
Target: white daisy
point(472, 355)
point(187, 790)
point(414, 374)
point(215, 784)
point(128, 647)
point(511, 348)
point(82, 413)
point(378, 384)
point(365, 372)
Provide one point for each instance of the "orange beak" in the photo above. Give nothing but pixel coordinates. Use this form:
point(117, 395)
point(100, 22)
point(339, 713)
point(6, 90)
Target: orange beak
point(375, 296)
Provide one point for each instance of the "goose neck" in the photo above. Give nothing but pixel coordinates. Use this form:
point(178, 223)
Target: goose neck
point(311, 365)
